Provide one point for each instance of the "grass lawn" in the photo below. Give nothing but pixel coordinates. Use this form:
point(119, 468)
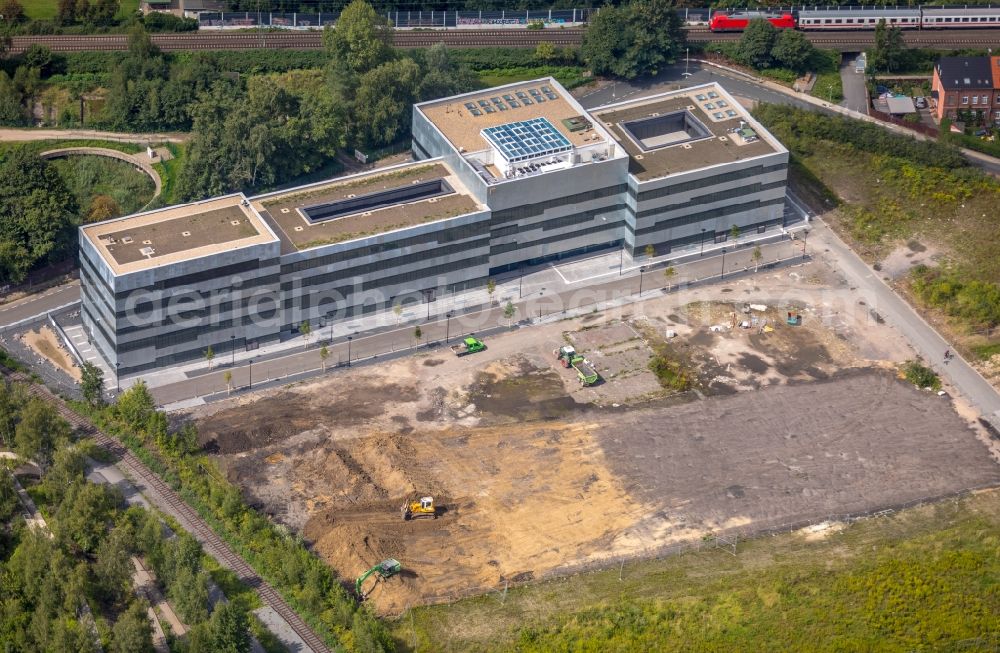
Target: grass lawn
point(828, 87)
point(926, 577)
point(90, 176)
point(127, 9)
point(569, 76)
point(40, 9)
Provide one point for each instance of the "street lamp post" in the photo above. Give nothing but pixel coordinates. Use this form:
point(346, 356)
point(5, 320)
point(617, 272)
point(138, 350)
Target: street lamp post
point(118, 381)
point(702, 243)
point(232, 339)
point(520, 280)
point(349, 339)
point(250, 385)
point(642, 271)
point(540, 293)
point(723, 263)
point(621, 259)
point(805, 236)
point(447, 327)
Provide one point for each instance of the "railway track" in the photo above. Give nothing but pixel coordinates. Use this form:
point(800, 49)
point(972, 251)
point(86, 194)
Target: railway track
point(163, 495)
point(313, 40)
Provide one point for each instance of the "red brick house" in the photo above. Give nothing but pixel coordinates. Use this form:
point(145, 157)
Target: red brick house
point(966, 84)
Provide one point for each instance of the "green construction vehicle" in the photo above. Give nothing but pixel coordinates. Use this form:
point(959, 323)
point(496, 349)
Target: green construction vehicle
point(382, 571)
point(469, 345)
point(585, 371)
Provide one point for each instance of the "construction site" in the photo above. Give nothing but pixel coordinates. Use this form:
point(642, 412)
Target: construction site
point(757, 404)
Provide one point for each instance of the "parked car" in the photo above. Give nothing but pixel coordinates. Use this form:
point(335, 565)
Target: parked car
point(920, 103)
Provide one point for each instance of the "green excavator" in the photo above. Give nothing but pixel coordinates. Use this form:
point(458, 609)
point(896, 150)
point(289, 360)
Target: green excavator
point(382, 571)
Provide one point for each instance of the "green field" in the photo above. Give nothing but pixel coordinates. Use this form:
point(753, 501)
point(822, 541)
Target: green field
point(926, 579)
point(40, 9)
point(569, 76)
point(46, 9)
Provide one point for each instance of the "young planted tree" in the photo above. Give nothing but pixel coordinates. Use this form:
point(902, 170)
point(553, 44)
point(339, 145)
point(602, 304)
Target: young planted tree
point(92, 384)
point(650, 251)
point(324, 353)
point(491, 287)
point(209, 355)
point(756, 258)
point(417, 334)
point(228, 376)
point(734, 233)
point(508, 312)
point(305, 330)
point(397, 309)
point(668, 275)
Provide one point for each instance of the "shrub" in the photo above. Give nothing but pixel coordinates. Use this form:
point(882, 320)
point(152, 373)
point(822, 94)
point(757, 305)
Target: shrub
point(921, 376)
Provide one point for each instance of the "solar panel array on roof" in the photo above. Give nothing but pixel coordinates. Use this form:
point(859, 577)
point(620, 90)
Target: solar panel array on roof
point(527, 139)
point(524, 98)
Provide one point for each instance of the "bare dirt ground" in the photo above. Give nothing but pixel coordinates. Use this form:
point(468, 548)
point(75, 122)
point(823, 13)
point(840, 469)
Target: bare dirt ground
point(535, 474)
point(45, 343)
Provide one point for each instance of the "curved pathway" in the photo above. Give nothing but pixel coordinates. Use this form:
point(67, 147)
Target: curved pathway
point(11, 134)
point(139, 161)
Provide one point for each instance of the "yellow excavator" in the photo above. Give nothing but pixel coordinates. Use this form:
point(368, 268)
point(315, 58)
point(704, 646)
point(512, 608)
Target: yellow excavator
point(423, 508)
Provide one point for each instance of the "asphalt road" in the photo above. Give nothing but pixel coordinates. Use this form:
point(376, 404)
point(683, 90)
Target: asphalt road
point(615, 291)
point(35, 306)
point(673, 76)
point(921, 335)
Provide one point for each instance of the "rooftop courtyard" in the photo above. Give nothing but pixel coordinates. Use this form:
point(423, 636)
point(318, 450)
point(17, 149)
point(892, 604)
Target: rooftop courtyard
point(365, 205)
point(684, 130)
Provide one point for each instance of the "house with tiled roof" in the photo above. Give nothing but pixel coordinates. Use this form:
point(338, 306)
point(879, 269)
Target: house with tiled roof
point(966, 84)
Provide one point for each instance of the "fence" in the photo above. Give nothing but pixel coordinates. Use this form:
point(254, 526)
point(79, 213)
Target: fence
point(920, 127)
point(399, 19)
point(725, 540)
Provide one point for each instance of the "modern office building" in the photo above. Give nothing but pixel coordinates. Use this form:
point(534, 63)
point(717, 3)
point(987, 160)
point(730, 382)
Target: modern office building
point(504, 178)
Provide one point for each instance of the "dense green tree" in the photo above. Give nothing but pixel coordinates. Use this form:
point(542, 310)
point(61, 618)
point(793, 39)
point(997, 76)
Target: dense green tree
point(136, 406)
point(8, 496)
point(68, 465)
point(757, 43)
point(82, 520)
point(11, 107)
point(792, 50)
point(361, 39)
point(39, 429)
point(131, 632)
point(40, 57)
point(230, 629)
point(188, 595)
point(889, 49)
point(605, 44)
point(12, 11)
point(658, 34)
point(37, 211)
point(92, 384)
point(12, 398)
point(384, 96)
point(441, 77)
point(113, 568)
point(633, 40)
point(65, 12)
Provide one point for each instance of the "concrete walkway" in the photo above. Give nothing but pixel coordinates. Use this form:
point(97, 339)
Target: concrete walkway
point(90, 134)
